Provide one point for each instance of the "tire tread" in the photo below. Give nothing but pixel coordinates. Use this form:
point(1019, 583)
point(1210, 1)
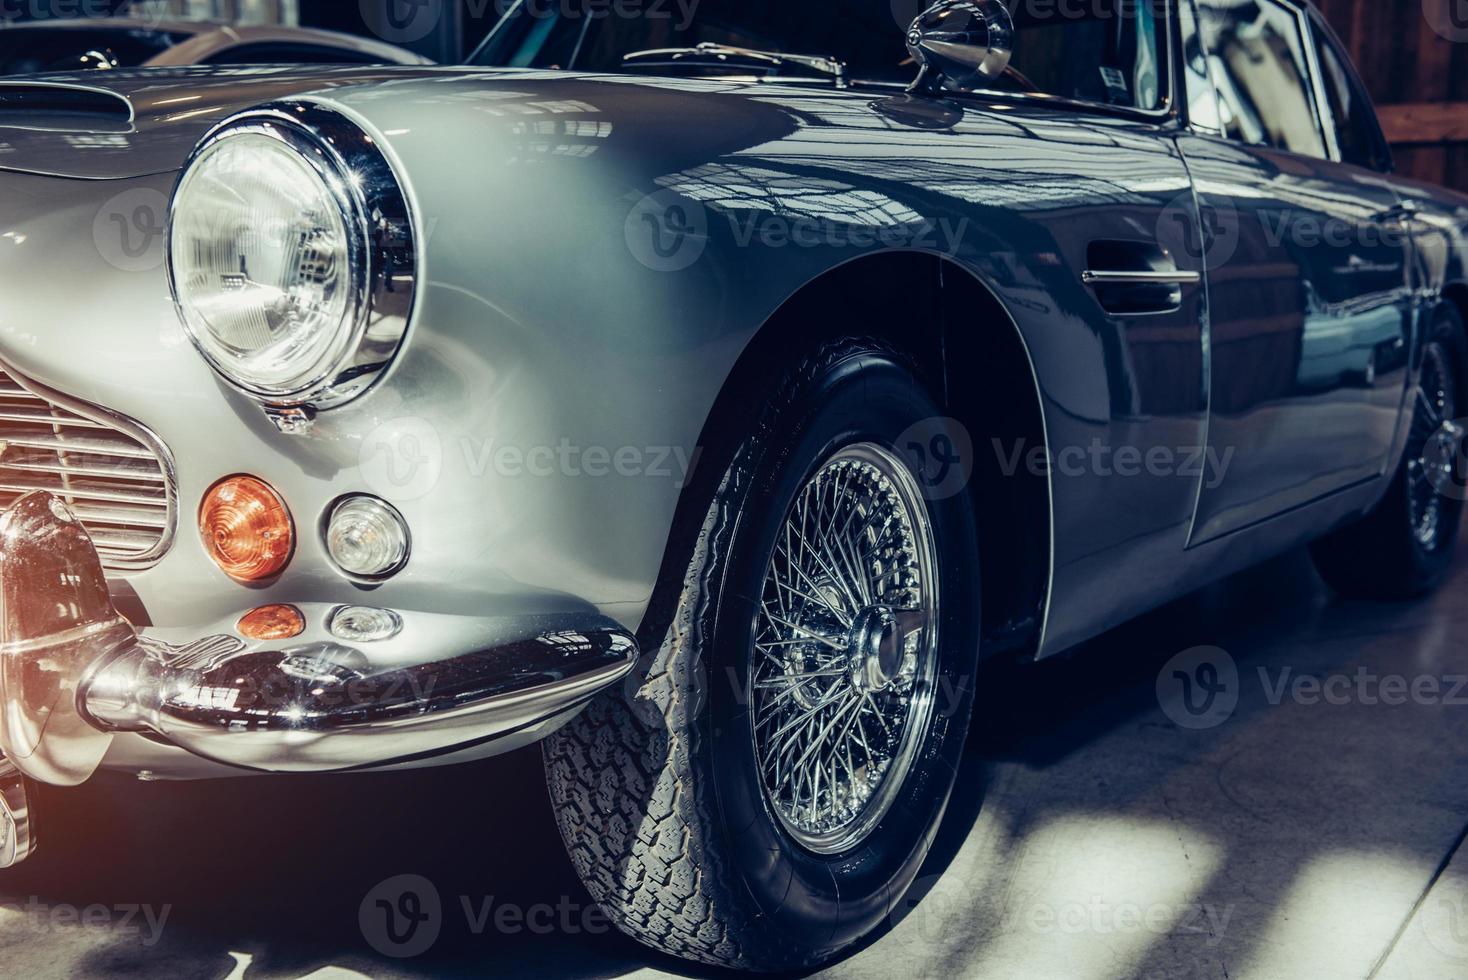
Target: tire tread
point(638, 824)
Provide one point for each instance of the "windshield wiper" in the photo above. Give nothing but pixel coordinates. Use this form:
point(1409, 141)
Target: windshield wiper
point(709, 55)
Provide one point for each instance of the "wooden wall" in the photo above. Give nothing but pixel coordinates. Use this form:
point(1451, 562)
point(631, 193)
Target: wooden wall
point(1418, 77)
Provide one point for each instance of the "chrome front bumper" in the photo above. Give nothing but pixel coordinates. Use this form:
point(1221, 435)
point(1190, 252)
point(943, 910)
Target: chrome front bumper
point(74, 674)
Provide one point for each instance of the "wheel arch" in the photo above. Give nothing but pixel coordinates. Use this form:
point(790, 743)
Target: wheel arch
point(1456, 296)
point(970, 352)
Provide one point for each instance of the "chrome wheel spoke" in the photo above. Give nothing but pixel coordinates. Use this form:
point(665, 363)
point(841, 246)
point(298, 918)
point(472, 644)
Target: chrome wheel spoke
point(1430, 409)
point(844, 663)
point(1434, 447)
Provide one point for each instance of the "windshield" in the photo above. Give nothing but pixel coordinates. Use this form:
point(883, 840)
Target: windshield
point(591, 35)
point(25, 50)
point(1106, 51)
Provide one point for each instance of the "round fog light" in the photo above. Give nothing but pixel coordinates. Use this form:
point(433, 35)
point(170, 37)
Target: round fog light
point(367, 538)
point(363, 624)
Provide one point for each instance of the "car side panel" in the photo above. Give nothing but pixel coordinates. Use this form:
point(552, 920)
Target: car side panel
point(552, 316)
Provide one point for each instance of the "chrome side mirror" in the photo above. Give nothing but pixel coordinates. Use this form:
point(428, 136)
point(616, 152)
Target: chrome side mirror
point(963, 43)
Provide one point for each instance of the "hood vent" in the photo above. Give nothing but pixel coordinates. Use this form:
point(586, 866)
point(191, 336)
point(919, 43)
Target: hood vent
point(54, 98)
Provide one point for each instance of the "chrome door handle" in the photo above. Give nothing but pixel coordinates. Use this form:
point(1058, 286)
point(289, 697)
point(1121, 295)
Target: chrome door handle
point(1164, 277)
point(1401, 212)
point(1135, 278)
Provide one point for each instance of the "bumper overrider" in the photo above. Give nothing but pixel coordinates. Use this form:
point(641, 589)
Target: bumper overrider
point(74, 673)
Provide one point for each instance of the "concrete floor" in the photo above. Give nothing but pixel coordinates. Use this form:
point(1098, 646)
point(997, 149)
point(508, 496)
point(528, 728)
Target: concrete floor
point(1093, 838)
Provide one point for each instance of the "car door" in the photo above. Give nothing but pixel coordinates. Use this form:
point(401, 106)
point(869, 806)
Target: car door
point(1074, 182)
point(1307, 263)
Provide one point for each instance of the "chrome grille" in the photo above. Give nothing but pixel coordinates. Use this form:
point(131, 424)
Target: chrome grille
point(113, 474)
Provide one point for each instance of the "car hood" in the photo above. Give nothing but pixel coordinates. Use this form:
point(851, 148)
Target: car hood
point(125, 124)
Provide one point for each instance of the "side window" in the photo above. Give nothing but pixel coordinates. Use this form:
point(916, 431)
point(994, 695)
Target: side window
point(1257, 54)
point(1107, 51)
point(1357, 132)
point(1202, 99)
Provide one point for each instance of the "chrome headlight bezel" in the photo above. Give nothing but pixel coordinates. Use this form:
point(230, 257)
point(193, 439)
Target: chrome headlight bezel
point(382, 251)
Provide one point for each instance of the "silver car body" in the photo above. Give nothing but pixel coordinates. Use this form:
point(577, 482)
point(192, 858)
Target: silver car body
point(540, 426)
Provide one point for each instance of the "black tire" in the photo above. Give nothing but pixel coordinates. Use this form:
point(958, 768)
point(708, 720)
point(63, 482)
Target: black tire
point(657, 794)
point(1382, 556)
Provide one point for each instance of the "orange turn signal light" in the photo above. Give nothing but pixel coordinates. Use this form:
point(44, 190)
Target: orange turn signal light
point(247, 529)
point(279, 622)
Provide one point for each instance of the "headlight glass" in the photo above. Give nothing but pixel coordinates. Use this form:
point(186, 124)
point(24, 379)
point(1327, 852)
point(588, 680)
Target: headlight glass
point(262, 263)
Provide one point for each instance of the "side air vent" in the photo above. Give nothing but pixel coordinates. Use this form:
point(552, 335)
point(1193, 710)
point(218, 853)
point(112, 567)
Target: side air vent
point(51, 98)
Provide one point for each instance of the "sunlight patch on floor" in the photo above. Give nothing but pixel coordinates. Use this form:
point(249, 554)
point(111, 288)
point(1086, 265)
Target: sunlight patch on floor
point(1339, 916)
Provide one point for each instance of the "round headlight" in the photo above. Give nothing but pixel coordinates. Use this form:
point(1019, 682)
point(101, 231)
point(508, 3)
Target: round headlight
point(291, 256)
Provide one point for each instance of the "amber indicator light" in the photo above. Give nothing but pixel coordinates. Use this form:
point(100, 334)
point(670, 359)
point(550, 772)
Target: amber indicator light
point(246, 529)
point(278, 622)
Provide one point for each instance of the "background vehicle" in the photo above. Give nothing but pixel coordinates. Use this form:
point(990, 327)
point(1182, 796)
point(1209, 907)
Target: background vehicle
point(980, 366)
point(125, 42)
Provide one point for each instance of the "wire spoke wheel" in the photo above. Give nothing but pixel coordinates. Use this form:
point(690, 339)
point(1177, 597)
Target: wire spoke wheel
point(844, 658)
point(1435, 447)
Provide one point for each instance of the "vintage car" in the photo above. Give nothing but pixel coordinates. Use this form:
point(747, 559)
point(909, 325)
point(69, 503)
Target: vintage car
point(704, 399)
point(105, 43)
